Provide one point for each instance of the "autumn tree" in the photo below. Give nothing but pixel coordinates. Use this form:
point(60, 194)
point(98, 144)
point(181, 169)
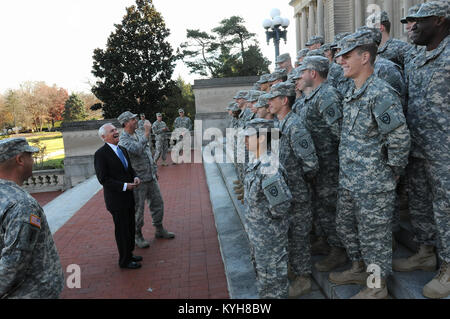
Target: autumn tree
point(134, 70)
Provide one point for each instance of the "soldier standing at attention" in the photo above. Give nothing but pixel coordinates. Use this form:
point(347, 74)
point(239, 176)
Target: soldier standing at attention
point(268, 198)
point(29, 262)
point(428, 76)
point(146, 169)
point(322, 116)
point(390, 48)
point(182, 126)
point(298, 156)
point(373, 152)
point(160, 129)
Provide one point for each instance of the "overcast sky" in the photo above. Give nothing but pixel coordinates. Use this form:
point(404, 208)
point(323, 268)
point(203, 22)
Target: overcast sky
point(53, 40)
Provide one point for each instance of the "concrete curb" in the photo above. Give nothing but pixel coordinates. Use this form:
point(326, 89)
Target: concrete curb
point(62, 208)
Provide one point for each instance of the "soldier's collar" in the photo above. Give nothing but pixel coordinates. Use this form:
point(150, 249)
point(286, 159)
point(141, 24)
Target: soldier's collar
point(311, 95)
point(357, 94)
point(429, 55)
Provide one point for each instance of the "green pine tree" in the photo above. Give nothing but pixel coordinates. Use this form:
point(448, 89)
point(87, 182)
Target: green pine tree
point(74, 109)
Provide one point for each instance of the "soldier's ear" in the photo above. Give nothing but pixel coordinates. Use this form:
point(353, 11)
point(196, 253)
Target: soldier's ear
point(441, 21)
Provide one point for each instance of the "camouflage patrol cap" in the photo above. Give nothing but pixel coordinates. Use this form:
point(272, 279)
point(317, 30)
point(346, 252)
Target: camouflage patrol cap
point(412, 10)
point(126, 116)
point(317, 63)
point(357, 39)
point(283, 58)
point(253, 95)
point(376, 18)
point(296, 73)
point(158, 114)
point(263, 100)
point(230, 106)
point(242, 94)
point(277, 74)
point(316, 52)
point(433, 9)
point(141, 114)
point(282, 89)
point(326, 47)
point(376, 33)
point(315, 39)
point(302, 53)
point(263, 79)
point(180, 110)
point(235, 108)
point(255, 125)
point(11, 147)
point(338, 37)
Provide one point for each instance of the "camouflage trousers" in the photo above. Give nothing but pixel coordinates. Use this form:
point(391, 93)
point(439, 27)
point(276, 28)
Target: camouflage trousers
point(269, 241)
point(420, 202)
point(324, 199)
point(364, 225)
point(150, 192)
point(300, 224)
point(161, 148)
point(438, 176)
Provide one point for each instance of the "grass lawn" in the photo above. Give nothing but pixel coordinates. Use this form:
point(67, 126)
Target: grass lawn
point(54, 152)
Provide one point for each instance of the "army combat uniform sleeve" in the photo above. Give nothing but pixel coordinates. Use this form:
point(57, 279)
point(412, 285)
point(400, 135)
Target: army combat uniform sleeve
point(330, 108)
point(133, 146)
point(303, 148)
point(277, 194)
point(391, 123)
point(22, 226)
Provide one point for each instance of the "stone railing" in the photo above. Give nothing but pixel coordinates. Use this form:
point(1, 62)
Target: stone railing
point(45, 181)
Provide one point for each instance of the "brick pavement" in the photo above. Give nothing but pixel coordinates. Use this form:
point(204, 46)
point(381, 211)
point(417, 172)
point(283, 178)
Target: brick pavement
point(46, 197)
point(187, 267)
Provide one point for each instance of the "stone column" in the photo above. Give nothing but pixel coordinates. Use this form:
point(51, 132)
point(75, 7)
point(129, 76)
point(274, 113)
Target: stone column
point(312, 21)
point(388, 6)
point(304, 28)
point(320, 18)
point(298, 30)
point(359, 15)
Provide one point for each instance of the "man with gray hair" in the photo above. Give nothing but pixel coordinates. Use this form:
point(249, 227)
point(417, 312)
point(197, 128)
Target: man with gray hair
point(142, 161)
point(115, 172)
point(29, 261)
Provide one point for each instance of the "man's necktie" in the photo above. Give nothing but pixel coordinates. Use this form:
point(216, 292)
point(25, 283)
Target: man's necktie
point(122, 157)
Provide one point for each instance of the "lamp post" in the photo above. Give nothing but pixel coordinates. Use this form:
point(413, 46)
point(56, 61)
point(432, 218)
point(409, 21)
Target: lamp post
point(273, 29)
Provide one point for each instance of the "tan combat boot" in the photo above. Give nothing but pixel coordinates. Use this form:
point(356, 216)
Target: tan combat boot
point(355, 275)
point(163, 233)
point(140, 241)
point(439, 287)
point(301, 285)
point(336, 258)
point(237, 182)
point(239, 189)
point(425, 259)
point(373, 293)
point(320, 247)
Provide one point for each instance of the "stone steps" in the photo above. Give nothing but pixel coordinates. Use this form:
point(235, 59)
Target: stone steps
point(400, 285)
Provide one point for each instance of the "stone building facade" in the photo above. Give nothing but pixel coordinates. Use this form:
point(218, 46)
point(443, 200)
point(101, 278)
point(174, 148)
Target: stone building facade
point(330, 17)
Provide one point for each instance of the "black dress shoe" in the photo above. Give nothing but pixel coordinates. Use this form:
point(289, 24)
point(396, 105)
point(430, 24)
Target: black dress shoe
point(136, 258)
point(132, 265)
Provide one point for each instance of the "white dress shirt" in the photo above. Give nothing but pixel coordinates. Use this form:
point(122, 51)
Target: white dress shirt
point(114, 148)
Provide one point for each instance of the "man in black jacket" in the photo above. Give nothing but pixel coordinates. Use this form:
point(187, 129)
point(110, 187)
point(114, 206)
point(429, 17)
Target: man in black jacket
point(115, 173)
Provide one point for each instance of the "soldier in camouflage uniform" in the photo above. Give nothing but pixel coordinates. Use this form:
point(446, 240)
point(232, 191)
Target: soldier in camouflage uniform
point(301, 55)
point(182, 127)
point(391, 49)
point(29, 262)
point(264, 83)
point(373, 152)
point(315, 42)
point(336, 76)
point(284, 61)
point(298, 156)
point(146, 169)
point(262, 108)
point(428, 119)
point(322, 116)
point(267, 218)
point(278, 76)
point(160, 129)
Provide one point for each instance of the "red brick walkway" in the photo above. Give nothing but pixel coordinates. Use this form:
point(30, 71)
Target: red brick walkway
point(189, 266)
point(45, 198)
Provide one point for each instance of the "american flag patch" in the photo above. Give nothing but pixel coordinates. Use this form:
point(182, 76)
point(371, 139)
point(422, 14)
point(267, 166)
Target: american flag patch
point(35, 221)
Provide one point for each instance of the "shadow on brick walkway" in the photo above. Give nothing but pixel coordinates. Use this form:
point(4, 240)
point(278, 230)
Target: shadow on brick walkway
point(189, 266)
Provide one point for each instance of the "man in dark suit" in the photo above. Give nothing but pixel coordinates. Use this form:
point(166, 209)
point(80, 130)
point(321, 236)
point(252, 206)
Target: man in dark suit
point(115, 173)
